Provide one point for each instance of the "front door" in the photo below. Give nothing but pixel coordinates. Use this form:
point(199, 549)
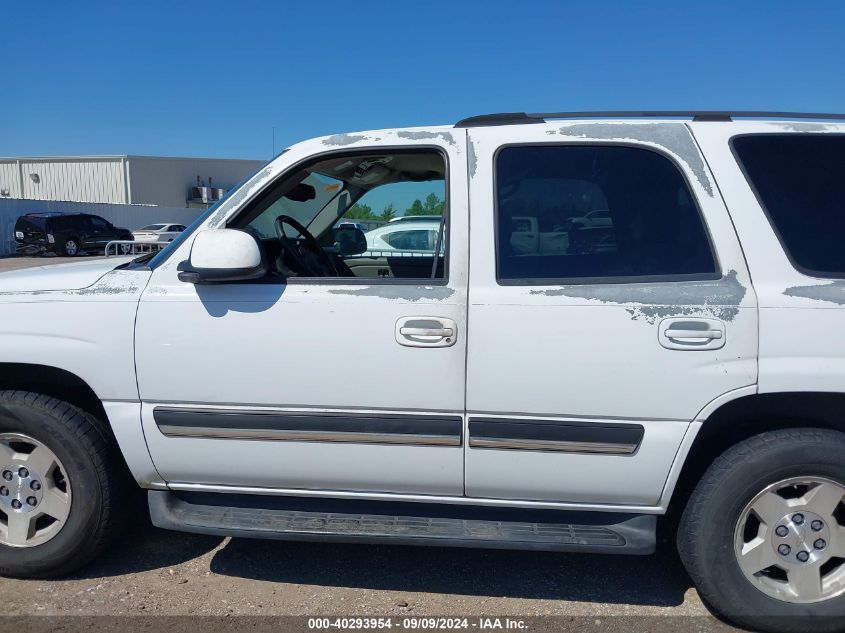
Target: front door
point(334, 382)
point(610, 303)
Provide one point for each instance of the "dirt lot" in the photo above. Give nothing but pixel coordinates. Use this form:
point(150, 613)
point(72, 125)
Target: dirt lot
point(151, 571)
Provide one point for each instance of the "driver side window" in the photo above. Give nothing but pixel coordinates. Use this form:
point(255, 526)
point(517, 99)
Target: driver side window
point(356, 215)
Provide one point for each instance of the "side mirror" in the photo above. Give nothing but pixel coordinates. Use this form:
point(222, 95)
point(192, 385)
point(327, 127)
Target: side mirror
point(219, 255)
point(350, 240)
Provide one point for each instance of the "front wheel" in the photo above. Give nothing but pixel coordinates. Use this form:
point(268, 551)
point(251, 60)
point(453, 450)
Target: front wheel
point(763, 535)
point(60, 483)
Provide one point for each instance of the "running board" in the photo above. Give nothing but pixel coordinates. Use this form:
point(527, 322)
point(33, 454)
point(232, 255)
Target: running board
point(402, 523)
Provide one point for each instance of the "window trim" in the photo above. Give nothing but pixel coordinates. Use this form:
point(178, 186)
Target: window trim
point(716, 275)
point(807, 272)
point(363, 281)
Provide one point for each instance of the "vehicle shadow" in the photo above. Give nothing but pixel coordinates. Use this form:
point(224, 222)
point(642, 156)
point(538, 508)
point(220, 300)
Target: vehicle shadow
point(657, 580)
point(143, 547)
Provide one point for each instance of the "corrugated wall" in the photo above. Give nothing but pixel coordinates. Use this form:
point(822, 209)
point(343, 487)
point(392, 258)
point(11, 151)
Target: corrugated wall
point(75, 180)
point(118, 179)
point(124, 215)
point(10, 180)
point(165, 181)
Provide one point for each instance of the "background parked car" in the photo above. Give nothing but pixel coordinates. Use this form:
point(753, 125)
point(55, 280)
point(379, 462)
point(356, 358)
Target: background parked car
point(66, 234)
point(598, 218)
point(164, 232)
point(410, 235)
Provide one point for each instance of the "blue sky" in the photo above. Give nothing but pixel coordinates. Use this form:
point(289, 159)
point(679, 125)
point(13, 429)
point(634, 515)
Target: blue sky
point(213, 78)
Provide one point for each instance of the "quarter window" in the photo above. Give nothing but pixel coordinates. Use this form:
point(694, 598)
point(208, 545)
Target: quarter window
point(596, 212)
point(799, 182)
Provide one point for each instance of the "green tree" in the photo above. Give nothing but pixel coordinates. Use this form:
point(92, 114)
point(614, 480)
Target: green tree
point(433, 205)
point(415, 209)
point(360, 212)
point(388, 213)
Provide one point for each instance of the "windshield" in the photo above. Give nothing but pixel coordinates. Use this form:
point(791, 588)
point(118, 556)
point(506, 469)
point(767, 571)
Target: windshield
point(152, 227)
point(303, 208)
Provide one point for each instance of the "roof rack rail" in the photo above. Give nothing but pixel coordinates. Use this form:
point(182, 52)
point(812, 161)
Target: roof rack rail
point(516, 118)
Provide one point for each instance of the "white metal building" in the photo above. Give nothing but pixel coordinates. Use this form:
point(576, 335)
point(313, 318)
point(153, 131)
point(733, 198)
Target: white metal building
point(148, 180)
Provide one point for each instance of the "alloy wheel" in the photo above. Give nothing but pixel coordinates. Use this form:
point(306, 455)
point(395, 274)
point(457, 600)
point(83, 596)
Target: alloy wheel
point(35, 494)
point(790, 540)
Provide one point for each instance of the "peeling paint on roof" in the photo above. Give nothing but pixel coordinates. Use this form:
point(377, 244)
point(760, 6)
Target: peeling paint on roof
point(347, 139)
point(833, 292)
point(420, 136)
point(407, 293)
point(718, 298)
point(675, 137)
point(808, 127)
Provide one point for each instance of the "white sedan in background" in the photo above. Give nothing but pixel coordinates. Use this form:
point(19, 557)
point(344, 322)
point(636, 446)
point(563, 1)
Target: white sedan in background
point(158, 232)
point(405, 234)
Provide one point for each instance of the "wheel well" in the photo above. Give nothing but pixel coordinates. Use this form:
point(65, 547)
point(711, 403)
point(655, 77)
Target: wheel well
point(744, 417)
point(55, 382)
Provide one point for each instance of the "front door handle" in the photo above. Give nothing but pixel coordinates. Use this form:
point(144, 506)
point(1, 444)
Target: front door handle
point(423, 331)
point(680, 334)
point(690, 333)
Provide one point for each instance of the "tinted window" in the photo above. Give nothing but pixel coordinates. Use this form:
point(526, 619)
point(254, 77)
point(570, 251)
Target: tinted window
point(68, 222)
point(99, 223)
point(800, 181)
point(576, 212)
point(30, 223)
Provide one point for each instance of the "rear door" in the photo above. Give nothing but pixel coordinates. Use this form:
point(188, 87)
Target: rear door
point(595, 346)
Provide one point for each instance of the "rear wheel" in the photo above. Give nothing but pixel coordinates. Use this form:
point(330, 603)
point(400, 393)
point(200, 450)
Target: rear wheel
point(763, 535)
point(60, 482)
point(70, 247)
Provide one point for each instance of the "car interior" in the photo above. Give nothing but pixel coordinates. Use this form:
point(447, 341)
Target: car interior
point(306, 228)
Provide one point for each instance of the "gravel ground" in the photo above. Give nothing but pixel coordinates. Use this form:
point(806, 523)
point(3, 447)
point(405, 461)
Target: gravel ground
point(152, 571)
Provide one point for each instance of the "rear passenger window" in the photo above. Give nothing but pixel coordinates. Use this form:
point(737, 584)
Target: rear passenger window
point(800, 182)
point(596, 213)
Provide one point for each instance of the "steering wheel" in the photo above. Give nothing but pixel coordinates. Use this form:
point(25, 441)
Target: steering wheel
point(308, 257)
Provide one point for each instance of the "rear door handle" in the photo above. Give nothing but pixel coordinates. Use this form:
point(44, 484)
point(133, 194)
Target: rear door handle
point(424, 331)
point(686, 333)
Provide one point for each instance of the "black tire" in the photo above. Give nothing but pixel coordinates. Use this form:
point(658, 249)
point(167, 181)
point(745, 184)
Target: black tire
point(97, 478)
point(66, 245)
point(706, 531)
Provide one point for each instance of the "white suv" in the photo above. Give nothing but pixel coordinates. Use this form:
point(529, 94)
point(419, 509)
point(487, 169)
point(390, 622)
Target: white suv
point(533, 383)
